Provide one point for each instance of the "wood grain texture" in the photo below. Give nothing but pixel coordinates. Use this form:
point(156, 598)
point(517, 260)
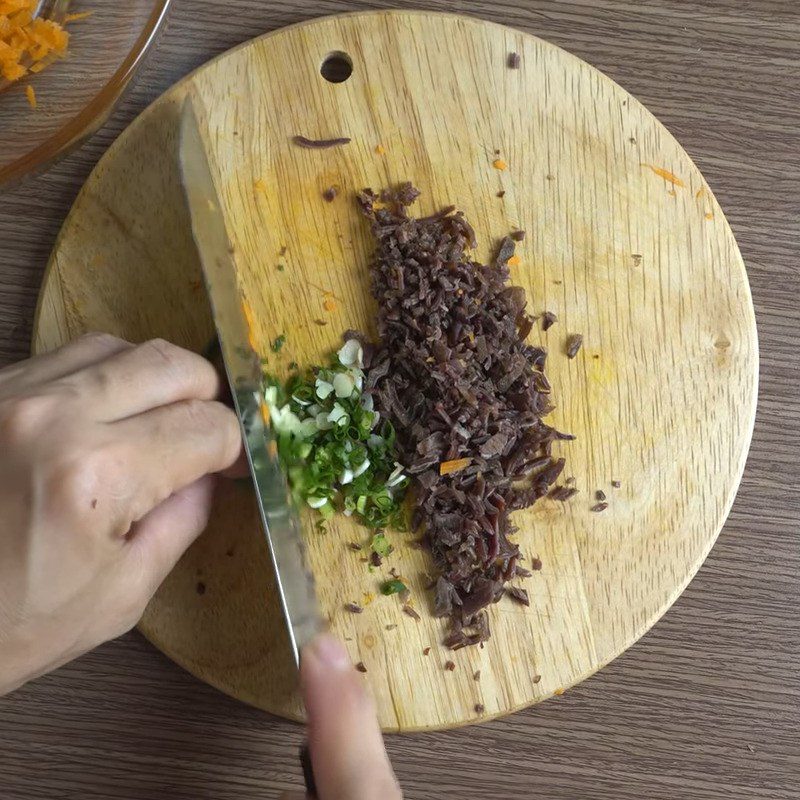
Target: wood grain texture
point(705, 706)
point(625, 244)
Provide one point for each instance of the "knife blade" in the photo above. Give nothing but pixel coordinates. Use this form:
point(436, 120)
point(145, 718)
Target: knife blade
point(243, 368)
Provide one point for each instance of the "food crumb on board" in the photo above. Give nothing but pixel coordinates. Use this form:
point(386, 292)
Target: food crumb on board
point(354, 545)
point(558, 692)
point(450, 666)
point(425, 651)
point(574, 343)
point(536, 678)
point(360, 667)
point(536, 564)
point(320, 322)
point(600, 495)
point(517, 236)
point(30, 93)
point(476, 676)
point(616, 484)
point(513, 60)
point(518, 595)
point(391, 627)
point(329, 304)
point(562, 493)
point(277, 343)
point(498, 163)
point(379, 149)
point(319, 144)
point(501, 193)
point(201, 588)
point(668, 176)
point(329, 195)
point(548, 320)
point(513, 261)
point(353, 608)
point(598, 507)
point(409, 610)
point(637, 259)
point(479, 708)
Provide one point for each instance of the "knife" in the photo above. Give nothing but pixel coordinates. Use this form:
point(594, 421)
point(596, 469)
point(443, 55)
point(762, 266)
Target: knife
point(233, 322)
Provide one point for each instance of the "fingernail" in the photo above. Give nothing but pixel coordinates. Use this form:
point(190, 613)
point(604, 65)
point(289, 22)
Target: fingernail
point(331, 652)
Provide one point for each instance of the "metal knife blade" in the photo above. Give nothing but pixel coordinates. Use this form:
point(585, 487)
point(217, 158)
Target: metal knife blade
point(243, 367)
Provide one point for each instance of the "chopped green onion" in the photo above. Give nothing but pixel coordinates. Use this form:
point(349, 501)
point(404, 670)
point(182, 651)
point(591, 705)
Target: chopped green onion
point(393, 587)
point(278, 343)
point(337, 452)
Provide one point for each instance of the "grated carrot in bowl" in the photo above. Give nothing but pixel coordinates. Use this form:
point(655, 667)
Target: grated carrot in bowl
point(27, 43)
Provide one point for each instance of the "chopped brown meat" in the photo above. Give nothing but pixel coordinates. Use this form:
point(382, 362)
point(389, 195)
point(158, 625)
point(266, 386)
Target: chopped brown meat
point(574, 343)
point(454, 375)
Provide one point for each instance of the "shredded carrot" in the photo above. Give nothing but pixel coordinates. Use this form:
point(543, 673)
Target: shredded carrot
point(513, 261)
point(248, 316)
point(31, 95)
point(446, 467)
point(558, 692)
point(329, 304)
point(700, 192)
point(77, 16)
point(709, 215)
point(27, 43)
point(498, 163)
point(666, 175)
point(380, 149)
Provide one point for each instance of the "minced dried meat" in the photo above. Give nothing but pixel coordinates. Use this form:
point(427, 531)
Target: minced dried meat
point(574, 344)
point(453, 373)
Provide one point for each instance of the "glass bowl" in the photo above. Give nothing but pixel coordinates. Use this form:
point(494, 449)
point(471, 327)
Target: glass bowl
point(76, 94)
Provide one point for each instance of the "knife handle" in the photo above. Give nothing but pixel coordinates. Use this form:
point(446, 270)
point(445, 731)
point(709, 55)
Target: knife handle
point(308, 771)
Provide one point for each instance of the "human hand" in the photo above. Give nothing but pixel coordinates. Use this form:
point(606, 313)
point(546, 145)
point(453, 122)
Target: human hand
point(106, 455)
point(347, 751)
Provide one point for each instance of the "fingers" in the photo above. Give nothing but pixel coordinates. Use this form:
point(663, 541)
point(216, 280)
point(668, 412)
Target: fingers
point(144, 377)
point(159, 539)
point(347, 752)
point(173, 446)
point(77, 355)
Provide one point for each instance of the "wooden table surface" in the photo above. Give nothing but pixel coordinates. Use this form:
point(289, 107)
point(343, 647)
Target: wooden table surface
point(707, 705)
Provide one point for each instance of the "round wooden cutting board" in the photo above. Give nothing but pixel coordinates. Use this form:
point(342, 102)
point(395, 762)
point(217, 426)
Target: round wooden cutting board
point(626, 244)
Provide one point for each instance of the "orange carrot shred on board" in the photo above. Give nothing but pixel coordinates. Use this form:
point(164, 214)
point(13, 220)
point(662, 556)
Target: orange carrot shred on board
point(668, 176)
point(78, 16)
point(329, 304)
point(380, 149)
point(513, 261)
point(30, 93)
point(498, 163)
point(457, 464)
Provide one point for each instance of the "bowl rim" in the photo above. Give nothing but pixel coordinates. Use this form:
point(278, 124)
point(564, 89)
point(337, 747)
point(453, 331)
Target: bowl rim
point(94, 114)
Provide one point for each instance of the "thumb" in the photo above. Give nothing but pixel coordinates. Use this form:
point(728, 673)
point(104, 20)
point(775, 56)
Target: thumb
point(347, 751)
